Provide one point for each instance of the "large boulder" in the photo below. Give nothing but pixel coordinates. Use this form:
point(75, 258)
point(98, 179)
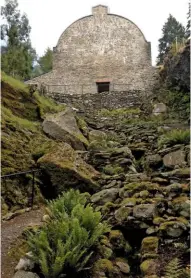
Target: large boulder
point(63, 126)
point(64, 168)
point(174, 158)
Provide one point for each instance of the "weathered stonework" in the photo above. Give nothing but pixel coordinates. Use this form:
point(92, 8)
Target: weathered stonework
point(92, 102)
point(101, 47)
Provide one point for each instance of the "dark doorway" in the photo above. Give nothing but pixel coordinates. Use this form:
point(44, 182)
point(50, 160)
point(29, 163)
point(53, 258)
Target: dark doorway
point(102, 87)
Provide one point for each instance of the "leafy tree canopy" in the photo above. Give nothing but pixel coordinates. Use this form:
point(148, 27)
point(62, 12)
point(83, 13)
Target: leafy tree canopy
point(44, 64)
point(45, 61)
point(18, 55)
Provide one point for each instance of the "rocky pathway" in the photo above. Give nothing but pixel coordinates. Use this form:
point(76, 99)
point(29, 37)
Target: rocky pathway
point(10, 231)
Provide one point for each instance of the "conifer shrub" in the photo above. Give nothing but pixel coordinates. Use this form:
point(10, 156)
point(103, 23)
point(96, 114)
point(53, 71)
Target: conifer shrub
point(65, 244)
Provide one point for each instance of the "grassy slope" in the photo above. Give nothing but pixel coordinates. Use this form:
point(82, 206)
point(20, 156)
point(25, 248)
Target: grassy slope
point(22, 136)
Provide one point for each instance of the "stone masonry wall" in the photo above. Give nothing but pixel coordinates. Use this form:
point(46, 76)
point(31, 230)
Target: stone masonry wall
point(93, 102)
point(97, 48)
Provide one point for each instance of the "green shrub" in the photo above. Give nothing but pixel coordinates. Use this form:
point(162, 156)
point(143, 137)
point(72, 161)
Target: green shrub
point(174, 137)
point(65, 244)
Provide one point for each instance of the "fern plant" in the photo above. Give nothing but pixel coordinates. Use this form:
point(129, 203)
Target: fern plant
point(174, 269)
point(65, 242)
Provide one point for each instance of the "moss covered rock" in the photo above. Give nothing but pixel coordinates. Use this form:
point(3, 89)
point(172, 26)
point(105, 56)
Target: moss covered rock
point(66, 169)
point(63, 126)
point(122, 214)
point(148, 267)
point(105, 251)
point(144, 211)
point(103, 265)
point(118, 242)
point(149, 246)
point(136, 187)
point(129, 202)
point(181, 205)
point(104, 196)
point(172, 228)
point(97, 135)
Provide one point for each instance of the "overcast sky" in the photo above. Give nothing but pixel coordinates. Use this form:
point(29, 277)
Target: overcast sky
point(49, 18)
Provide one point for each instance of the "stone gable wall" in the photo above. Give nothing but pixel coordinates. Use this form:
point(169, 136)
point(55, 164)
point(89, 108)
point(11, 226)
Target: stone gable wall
point(101, 46)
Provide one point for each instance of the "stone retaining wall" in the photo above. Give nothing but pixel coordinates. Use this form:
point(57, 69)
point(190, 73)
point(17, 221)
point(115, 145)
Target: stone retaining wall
point(108, 100)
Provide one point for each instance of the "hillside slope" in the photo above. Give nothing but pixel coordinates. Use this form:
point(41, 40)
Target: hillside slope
point(135, 167)
point(22, 138)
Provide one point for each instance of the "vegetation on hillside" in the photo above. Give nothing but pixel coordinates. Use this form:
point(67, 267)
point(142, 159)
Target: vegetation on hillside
point(65, 244)
point(174, 137)
point(22, 138)
point(18, 55)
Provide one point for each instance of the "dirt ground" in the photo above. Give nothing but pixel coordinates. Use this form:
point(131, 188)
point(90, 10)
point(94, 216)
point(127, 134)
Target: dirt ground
point(11, 230)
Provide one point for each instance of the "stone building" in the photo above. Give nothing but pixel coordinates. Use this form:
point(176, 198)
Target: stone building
point(99, 53)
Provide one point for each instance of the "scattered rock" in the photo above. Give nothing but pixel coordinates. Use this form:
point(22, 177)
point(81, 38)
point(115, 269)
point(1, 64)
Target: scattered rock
point(124, 267)
point(148, 267)
point(46, 218)
point(25, 264)
point(149, 246)
point(159, 108)
point(154, 160)
point(104, 196)
point(145, 211)
point(121, 215)
point(172, 228)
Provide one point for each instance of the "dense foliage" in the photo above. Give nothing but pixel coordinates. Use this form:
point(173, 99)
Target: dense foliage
point(45, 61)
point(44, 64)
point(172, 32)
point(188, 21)
point(64, 245)
point(18, 55)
